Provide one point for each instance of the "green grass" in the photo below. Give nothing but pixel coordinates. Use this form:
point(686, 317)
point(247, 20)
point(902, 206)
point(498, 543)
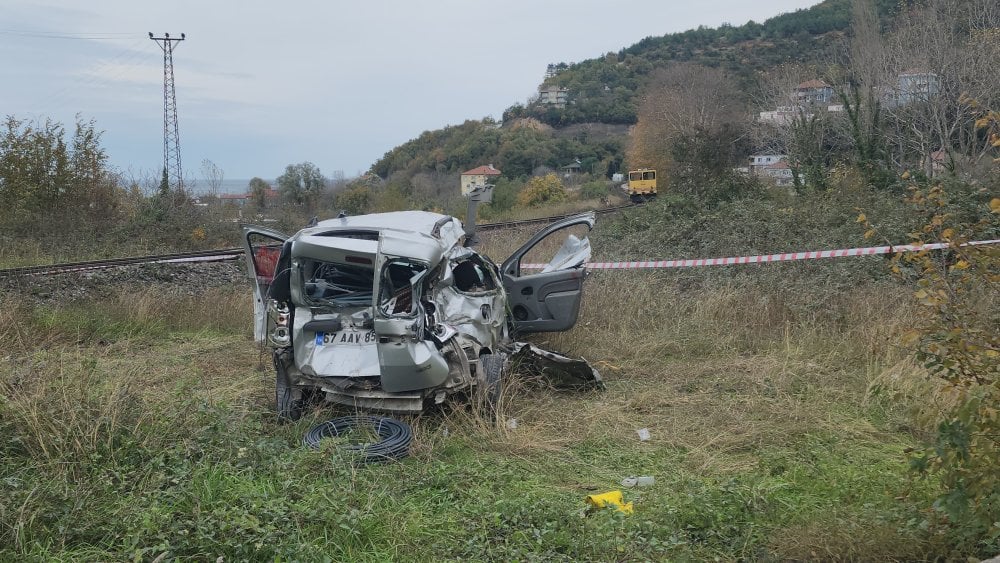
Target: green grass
point(778, 400)
point(147, 429)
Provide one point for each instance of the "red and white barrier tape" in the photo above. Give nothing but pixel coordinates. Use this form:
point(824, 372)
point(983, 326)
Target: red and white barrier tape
point(763, 259)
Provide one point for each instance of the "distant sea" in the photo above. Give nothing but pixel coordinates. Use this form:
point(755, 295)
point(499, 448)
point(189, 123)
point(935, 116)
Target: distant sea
point(228, 186)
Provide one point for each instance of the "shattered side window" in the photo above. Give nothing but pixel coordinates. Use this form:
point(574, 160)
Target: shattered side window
point(337, 285)
point(562, 249)
point(399, 289)
point(472, 275)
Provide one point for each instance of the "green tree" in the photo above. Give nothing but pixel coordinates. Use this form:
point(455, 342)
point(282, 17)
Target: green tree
point(957, 341)
point(164, 189)
point(354, 199)
point(505, 193)
point(93, 188)
point(44, 174)
point(34, 167)
point(258, 189)
point(301, 184)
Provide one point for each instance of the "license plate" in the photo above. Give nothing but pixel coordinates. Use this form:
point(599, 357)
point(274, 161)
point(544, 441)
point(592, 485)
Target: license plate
point(345, 337)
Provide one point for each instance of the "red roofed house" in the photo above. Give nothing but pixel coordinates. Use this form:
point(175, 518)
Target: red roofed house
point(780, 172)
point(814, 92)
point(477, 177)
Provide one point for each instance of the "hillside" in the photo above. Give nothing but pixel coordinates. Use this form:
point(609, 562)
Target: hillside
point(605, 89)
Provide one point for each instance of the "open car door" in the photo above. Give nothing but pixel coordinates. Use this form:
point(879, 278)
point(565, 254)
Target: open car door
point(261, 247)
point(544, 278)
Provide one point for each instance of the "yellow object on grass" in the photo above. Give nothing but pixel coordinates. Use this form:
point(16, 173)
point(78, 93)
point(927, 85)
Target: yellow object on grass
point(611, 499)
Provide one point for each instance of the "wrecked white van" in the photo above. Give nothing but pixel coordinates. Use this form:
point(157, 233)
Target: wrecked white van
point(395, 312)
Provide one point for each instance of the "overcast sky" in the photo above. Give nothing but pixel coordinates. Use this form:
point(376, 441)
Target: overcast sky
point(264, 84)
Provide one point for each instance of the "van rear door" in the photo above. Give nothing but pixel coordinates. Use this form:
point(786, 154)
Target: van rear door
point(261, 247)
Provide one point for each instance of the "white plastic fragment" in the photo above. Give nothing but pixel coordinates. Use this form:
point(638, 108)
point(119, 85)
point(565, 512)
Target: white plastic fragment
point(643, 434)
point(512, 424)
point(641, 481)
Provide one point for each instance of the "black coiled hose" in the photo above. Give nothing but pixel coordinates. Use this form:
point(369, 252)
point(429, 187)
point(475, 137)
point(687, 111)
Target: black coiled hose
point(394, 443)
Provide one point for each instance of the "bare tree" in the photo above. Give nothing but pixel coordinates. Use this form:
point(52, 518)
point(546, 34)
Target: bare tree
point(790, 123)
point(682, 99)
point(213, 176)
point(943, 54)
point(862, 93)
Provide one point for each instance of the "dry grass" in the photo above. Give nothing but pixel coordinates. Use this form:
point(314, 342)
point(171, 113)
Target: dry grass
point(726, 378)
point(837, 537)
point(716, 373)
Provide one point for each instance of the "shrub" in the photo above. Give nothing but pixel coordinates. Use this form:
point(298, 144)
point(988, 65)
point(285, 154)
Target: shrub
point(594, 189)
point(544, 189)
point(958, 344)
point(355, 200)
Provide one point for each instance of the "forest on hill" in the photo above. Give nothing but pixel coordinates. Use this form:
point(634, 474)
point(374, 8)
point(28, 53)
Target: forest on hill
point(539, 138)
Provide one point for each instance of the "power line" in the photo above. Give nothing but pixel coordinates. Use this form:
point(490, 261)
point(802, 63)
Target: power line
point(171, 133)
point(85, 36)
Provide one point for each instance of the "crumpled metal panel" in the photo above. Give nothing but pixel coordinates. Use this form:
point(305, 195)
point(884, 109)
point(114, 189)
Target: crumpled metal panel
point(558, 370)
point(479, 315)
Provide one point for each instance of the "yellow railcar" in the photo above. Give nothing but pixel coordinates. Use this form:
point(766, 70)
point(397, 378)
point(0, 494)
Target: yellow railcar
point(641, 184)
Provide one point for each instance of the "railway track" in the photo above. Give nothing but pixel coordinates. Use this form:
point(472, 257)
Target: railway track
point(223, 254)
point(200, 256)
point(543, 220)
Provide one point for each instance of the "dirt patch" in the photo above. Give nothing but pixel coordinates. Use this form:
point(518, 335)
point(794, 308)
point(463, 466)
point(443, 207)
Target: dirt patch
point(593, 131)
point(528, 123)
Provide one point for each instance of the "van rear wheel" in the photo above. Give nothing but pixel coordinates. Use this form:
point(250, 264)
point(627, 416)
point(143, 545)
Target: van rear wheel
point(287, 398)
point(290, 401)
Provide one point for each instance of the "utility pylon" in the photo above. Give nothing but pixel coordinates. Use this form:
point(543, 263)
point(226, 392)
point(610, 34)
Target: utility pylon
point(171, 133)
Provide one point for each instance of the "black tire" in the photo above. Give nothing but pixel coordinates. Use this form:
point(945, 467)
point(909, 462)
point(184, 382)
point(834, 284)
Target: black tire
point(287, 399)
point(290, 401)
point(491, 380)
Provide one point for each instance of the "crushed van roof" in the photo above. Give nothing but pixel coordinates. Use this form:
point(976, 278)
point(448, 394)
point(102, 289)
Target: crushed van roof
point(416, 221)
point(433, 231)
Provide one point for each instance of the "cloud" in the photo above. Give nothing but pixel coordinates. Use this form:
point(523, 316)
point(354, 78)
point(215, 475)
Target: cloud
point(193, 86)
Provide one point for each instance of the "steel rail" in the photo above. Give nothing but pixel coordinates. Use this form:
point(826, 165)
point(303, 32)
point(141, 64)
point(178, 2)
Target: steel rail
point(212, 255)
point(223, 254)
point(552, 219)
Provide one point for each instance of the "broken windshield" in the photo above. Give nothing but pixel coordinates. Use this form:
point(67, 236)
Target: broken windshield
point(337, 285)
point(396, 293)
